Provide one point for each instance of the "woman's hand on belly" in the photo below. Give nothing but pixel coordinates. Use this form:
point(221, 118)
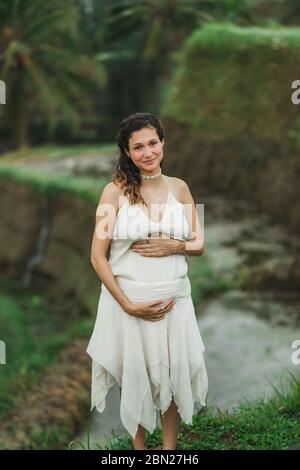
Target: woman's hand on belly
point(153, 310)
point(156, 247)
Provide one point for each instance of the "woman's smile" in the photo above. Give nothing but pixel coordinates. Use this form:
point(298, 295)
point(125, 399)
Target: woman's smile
point(150, 161)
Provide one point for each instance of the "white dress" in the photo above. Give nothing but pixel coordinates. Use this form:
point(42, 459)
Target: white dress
point(152, 362)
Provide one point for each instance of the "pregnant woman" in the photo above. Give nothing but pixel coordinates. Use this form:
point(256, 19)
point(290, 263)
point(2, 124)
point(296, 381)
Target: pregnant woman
point(146, 337)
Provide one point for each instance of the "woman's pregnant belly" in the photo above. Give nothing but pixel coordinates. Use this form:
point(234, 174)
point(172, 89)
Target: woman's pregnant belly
point(126, 263)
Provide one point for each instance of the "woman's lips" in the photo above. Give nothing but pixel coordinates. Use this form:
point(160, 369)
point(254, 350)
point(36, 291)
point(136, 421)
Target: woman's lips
point(150, 161)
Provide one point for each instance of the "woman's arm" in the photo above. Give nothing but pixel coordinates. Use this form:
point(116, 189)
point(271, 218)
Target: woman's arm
point(194, 246)
point(190, 248)
point(104, 225)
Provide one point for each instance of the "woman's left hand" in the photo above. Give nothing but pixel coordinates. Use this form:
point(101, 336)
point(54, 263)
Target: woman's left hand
point(156, 246)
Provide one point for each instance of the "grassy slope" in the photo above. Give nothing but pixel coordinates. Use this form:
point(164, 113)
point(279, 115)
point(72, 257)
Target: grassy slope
point(261, 425)
point(46, 183)
point(34, 334)
point(230, 81)
point(54, 151)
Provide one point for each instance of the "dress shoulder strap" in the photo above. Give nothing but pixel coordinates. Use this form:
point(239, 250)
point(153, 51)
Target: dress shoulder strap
point(124, 200)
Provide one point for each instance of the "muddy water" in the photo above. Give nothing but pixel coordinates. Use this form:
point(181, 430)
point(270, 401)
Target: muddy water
point(248, 332)
point(246, 354)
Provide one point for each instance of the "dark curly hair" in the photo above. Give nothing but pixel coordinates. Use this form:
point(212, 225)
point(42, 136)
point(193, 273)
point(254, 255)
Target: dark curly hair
point(127, 173)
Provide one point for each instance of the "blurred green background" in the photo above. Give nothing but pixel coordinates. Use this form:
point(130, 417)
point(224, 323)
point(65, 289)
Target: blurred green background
point(219, 74)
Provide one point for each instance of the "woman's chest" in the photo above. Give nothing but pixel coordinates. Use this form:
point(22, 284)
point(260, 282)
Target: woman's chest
point(133, 223)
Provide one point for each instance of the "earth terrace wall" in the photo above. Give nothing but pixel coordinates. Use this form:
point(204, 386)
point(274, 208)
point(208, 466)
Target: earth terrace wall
point(231, 126)
point(64, 269)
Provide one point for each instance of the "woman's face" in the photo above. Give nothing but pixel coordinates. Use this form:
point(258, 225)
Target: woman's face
point(146, 150)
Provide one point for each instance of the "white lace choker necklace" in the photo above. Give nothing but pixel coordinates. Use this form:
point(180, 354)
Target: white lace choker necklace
point(153, 177)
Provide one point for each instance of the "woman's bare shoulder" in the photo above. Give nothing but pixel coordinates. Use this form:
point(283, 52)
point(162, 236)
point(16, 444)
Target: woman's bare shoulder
point(111, 189)
point(178, 186)
point(112, 193)
point(117, 187)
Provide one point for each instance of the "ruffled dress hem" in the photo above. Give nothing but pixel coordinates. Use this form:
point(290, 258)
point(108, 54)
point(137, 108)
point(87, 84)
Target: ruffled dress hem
point(103, 379)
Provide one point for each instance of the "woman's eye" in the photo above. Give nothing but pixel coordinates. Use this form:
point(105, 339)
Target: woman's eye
point(138, 148)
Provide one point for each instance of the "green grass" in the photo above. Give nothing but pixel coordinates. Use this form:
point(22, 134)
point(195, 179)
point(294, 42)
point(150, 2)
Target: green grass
point(55, 151)
point(85, 187)
point(205, 281)
point(47, 437)
point(259, 425)
point(34, 335)
point(230, 37)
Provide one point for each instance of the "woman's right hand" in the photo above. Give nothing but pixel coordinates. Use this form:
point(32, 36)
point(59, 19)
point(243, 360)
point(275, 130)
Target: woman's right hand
point(150, 311)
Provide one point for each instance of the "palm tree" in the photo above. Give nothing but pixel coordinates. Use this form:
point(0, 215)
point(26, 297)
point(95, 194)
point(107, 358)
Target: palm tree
point(42, 64)
point(161, 24)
